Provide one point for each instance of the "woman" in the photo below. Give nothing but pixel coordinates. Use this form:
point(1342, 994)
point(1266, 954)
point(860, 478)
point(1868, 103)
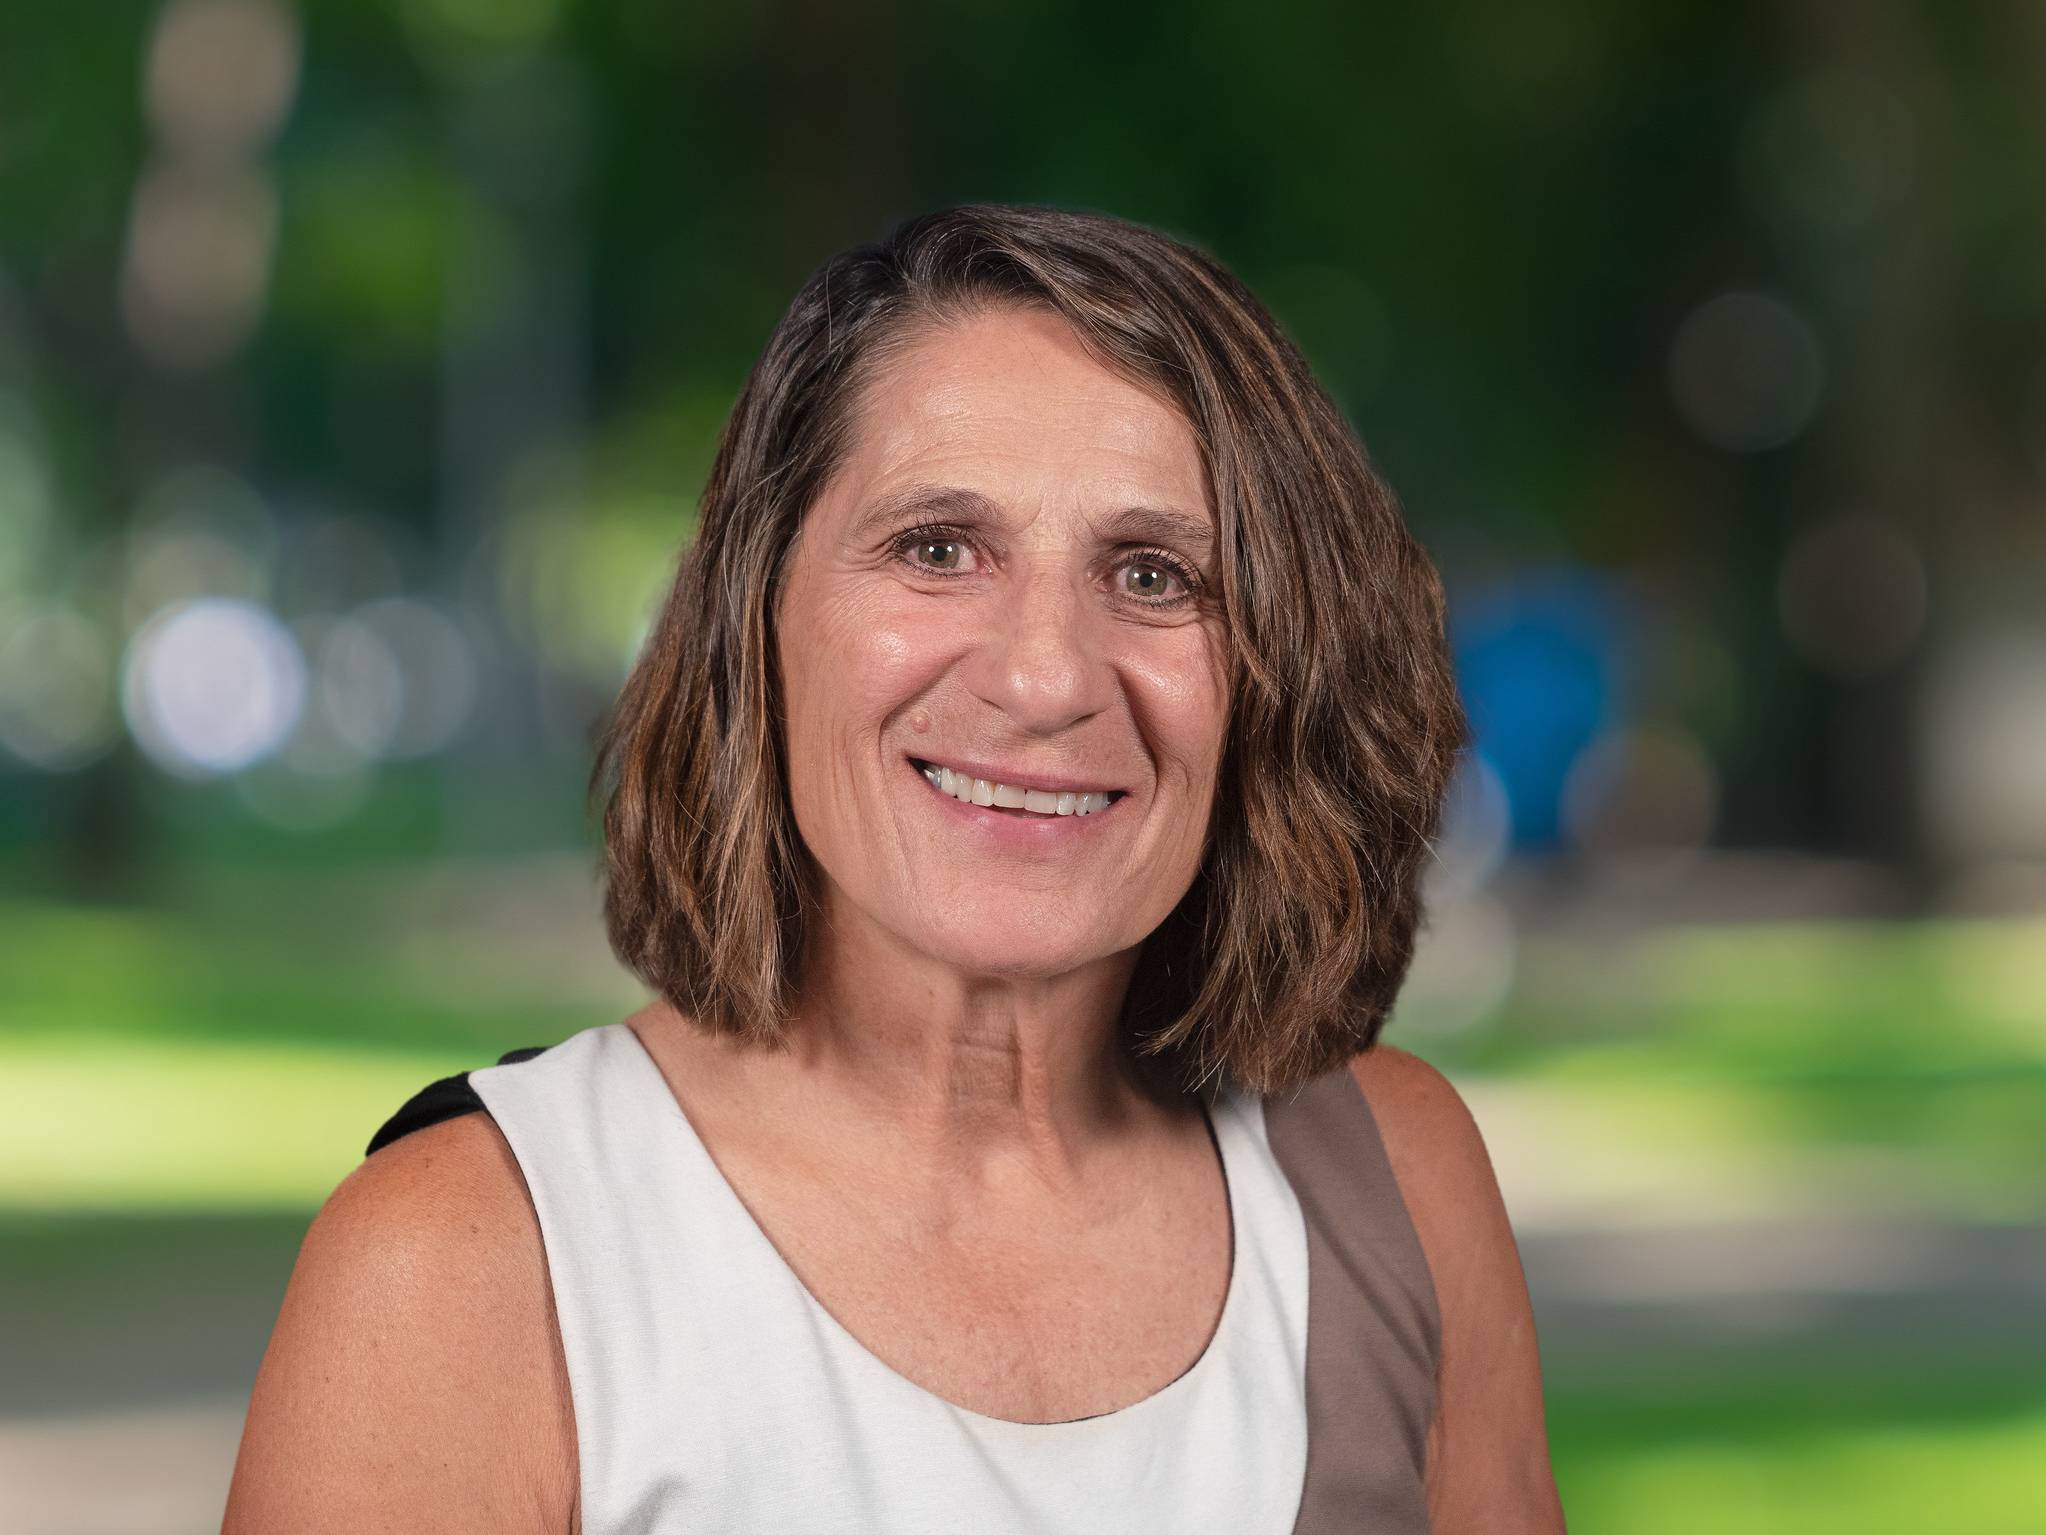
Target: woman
point(1017, 811)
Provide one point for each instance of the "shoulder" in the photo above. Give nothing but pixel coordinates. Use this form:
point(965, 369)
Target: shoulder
point(1431, 1137)
point(1488, 1464)
point(416, 1362)
point(450, 1191)
point(1445, 1178)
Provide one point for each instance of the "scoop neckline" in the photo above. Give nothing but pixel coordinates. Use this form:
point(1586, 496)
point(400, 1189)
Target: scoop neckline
point(1222, 1128)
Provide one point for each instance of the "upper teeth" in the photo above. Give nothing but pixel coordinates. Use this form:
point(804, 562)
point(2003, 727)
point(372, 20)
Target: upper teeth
point(982, 791)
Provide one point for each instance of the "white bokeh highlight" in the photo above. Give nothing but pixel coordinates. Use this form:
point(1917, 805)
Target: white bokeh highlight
point(212, 685)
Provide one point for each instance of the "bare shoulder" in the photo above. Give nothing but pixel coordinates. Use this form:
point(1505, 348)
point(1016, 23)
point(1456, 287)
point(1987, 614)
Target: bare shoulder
point(415, 1372)
point(1488, 1466)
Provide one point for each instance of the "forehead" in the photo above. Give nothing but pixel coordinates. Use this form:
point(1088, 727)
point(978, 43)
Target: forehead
point(1011, 400)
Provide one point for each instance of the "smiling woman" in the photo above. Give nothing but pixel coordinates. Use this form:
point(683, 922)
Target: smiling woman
point(1017, 812)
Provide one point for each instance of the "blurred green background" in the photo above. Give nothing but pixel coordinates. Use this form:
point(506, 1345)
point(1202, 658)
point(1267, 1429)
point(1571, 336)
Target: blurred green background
point(360, 364)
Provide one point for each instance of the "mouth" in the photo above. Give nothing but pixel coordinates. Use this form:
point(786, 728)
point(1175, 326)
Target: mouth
point(1022, 800)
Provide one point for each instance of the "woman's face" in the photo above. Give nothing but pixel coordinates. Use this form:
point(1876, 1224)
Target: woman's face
point(972, 591)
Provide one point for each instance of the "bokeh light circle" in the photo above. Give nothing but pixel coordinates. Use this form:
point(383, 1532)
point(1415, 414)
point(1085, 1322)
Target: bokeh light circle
point(1746, 372)
point(212, 685)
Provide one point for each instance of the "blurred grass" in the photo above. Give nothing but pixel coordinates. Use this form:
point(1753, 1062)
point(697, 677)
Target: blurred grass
point(1910, 1053)
point(1793, 1452)
point(128, 1124)
point(277, 972)
point(1795, 1002)
point(236, 1051)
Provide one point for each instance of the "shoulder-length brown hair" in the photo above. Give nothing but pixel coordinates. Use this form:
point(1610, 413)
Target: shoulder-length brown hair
point(1285, 954)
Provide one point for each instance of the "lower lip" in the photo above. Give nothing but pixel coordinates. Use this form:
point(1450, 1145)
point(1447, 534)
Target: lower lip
point(1017, 828)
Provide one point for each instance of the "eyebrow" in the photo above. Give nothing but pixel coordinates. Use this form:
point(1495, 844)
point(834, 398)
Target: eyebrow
point(956, 503)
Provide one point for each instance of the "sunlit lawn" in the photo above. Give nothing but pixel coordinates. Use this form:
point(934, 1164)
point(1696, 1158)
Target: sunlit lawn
point(1791, 1452)
point(1916, 1051)
point(153, 1061)
point(159, 1071)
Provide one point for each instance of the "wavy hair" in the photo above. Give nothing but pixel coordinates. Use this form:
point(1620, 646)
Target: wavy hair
point(1285, 954)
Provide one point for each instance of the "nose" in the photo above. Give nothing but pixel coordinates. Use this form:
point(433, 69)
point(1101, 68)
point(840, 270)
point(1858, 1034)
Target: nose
point(1040, 663)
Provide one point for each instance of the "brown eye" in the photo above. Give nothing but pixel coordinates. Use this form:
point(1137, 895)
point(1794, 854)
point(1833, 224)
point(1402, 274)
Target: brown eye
point(1152, 573)
point(1149, 580)
point(948, 554)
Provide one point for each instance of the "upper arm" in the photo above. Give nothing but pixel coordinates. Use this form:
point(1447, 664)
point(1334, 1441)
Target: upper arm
point(1488, 1465)
point(415, 1376)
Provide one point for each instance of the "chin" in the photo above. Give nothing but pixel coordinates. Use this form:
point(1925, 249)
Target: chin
point(1010, 950)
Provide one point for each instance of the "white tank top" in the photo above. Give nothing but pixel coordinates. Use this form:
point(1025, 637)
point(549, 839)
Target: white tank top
point(714, 1393)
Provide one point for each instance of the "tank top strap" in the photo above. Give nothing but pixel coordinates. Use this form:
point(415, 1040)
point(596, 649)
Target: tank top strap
point(1374, 1330)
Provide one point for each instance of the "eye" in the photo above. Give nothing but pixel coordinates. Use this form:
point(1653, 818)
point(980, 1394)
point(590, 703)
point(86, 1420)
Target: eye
point(948, 553)
point(946, 549)
point(1153, 572)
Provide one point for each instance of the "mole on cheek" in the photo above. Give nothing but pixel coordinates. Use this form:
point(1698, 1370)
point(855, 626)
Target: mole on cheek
point(920, 722)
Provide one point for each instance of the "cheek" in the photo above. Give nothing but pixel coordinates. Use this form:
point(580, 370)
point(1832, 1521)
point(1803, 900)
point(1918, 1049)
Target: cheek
point(1179, 692)
point(850, 661)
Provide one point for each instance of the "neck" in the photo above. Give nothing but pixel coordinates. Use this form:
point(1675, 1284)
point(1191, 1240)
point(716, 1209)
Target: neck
point(969, 1073)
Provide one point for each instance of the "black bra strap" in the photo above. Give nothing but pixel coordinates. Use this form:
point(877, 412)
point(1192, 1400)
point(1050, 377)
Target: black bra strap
point(445, 1099)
